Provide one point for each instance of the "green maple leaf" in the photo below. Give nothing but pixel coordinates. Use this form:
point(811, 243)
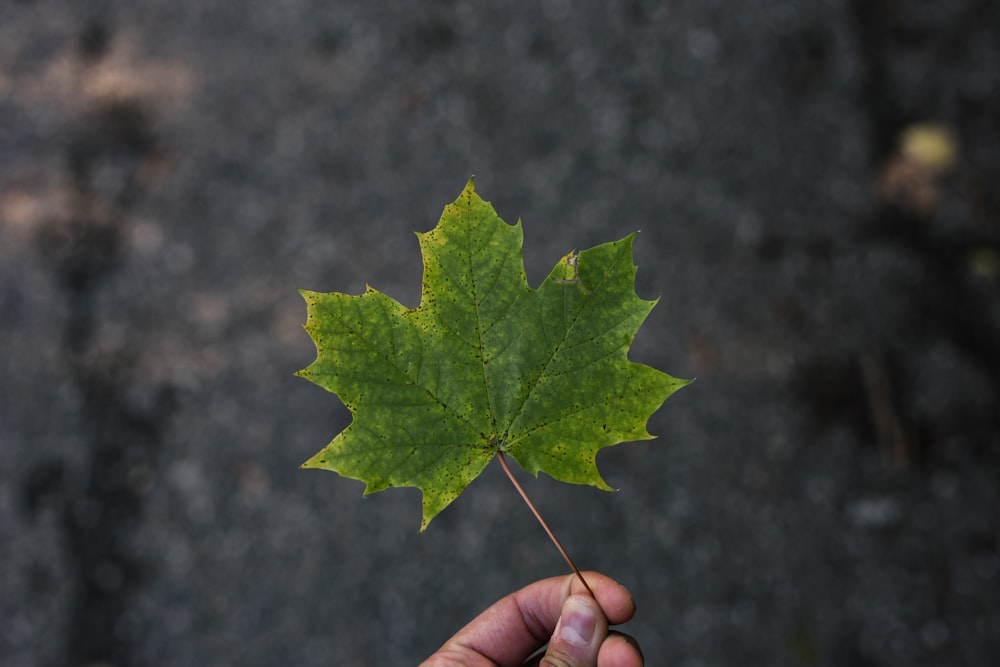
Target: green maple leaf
point(485, 364)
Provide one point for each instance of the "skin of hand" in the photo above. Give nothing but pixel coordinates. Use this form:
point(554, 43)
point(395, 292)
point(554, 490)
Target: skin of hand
point(558, 611)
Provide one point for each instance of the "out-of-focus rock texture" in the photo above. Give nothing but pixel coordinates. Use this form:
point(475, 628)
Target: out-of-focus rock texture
point(816, 185)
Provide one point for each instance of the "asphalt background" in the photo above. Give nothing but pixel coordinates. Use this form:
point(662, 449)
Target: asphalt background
point(825, 494)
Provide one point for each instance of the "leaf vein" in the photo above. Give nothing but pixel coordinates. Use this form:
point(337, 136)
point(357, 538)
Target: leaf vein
point(363, 342)
point(587, 300)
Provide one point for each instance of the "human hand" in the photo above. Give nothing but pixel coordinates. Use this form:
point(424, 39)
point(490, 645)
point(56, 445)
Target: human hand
point(558, 611)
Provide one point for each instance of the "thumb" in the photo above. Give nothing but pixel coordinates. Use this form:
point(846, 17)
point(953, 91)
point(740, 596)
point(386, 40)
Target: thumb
point(579, 633)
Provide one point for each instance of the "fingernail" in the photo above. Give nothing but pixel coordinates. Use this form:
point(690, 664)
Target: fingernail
point(577, 622)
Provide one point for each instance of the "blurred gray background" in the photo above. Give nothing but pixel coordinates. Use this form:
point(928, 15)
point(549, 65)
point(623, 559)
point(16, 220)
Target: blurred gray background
point(815, 183)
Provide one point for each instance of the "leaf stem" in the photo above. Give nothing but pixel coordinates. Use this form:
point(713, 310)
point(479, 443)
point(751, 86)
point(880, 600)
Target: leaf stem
point(548, 531)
